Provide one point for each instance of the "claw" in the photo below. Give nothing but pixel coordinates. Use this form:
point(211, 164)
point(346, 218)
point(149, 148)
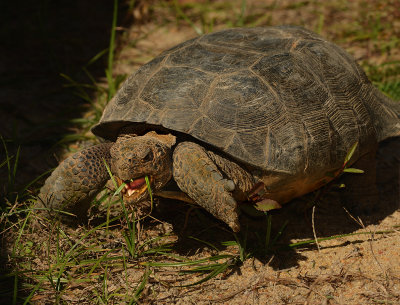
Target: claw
point(235, 226)
point(232, 202)
point(229, 185)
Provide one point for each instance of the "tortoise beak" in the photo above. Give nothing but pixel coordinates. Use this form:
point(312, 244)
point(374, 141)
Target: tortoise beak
point(135, 189)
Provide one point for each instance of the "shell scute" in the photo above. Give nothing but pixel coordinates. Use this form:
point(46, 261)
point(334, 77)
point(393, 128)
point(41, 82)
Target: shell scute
point(280, 98)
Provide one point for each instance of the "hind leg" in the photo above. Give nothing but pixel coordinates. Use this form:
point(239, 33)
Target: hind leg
point(361, 194)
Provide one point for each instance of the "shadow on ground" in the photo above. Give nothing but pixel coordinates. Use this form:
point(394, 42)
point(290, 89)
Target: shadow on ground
point(39, 41)
point(330, 217)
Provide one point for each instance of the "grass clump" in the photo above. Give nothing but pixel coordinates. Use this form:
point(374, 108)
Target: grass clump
point(386, 77)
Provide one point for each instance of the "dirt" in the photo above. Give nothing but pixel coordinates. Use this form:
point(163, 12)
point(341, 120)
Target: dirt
point(361, 268)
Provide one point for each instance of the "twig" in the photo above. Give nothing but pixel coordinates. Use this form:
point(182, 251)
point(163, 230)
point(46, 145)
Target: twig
point(313, 228)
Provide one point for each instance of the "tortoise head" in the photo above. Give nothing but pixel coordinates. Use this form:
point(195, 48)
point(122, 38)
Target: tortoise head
point(135, 157)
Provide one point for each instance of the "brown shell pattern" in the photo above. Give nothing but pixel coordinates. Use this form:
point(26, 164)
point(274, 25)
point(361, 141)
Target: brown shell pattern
point(280, 98)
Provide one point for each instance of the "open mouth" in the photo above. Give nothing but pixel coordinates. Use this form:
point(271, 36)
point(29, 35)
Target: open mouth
point(133, 188)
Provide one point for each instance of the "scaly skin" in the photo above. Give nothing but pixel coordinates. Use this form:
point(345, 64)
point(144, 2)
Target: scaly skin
point(198, 176)
point(244, 181)
point(76, 181)
point(210, 180)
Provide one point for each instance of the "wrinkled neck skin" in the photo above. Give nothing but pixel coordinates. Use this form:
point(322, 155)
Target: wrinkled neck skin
point(135, 157)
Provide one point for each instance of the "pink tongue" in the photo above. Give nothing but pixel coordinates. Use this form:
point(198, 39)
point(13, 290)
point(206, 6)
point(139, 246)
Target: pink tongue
point(137, 183)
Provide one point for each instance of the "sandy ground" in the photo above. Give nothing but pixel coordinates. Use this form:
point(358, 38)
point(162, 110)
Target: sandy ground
point(360, 269)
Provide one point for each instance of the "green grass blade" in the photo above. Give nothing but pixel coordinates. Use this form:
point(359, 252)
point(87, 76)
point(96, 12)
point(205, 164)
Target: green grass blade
point(186, 18)
point(280, 232)
point(202, 269)
point(131, 237)
point(189, 263)
point(119, 189)
point(150, 193)
point(111, 83)
point(112, 38)
point(353, 170)
point(15, 292)
point(97, 57)
point(14, 173)
point(29, 184)
point(30, 296)
point(204, 242)
point(149, 188)
point(98, 261)
point(350, 153)
point(79, 87)
point(242, 244)
point(21, 230)
point(142, 285)
point(229, 243)
point(8, 159)
point(241, 18)
point(216, 271)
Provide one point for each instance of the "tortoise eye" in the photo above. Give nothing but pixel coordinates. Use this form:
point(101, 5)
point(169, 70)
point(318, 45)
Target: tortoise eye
point(149, 156)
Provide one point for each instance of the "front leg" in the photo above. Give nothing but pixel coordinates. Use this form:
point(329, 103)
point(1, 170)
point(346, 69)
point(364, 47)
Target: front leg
point(76, 181)
point(198, 176)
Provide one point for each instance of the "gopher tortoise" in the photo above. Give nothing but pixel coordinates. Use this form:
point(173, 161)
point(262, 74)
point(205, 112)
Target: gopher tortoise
point(239, 115)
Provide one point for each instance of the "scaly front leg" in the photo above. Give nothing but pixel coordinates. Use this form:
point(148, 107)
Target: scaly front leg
point(198, 176)
point(76, 181)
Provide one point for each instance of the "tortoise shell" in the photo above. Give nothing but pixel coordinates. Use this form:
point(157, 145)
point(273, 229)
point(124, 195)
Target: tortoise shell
point(281, 99)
